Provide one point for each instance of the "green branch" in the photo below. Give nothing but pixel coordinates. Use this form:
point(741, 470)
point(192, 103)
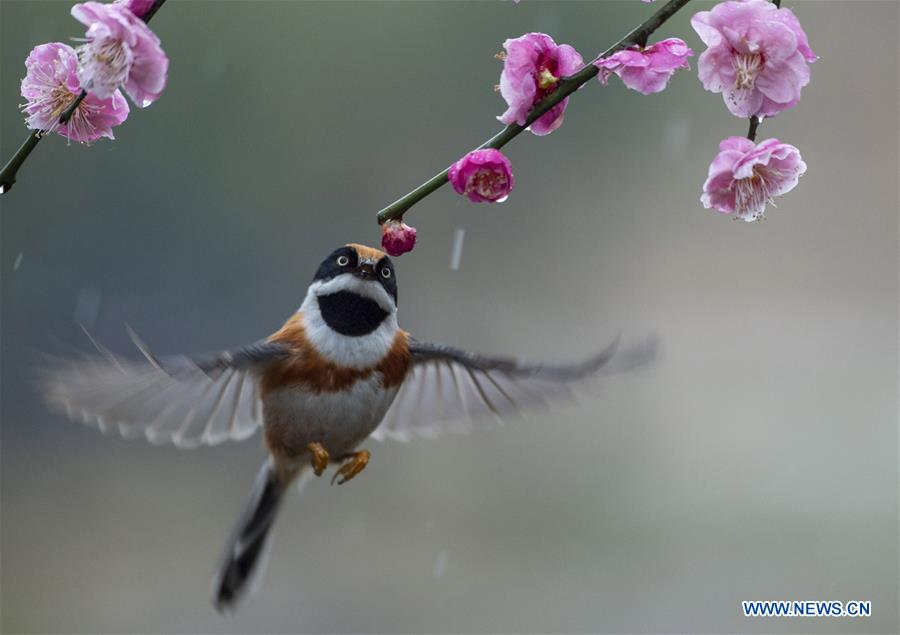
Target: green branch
point(8, 174)
point(567, 86)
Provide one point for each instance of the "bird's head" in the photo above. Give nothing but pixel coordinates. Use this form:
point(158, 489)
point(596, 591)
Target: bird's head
point(355, 288)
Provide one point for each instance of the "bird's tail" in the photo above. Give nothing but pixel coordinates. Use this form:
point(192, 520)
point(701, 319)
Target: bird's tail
point(241, 561)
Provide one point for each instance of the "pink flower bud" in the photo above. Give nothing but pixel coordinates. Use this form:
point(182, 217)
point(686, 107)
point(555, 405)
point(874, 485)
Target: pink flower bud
point(484, 176)
point(397, 237)
point(744, 176)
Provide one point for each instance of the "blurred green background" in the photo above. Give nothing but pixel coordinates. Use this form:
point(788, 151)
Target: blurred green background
point(757, 460)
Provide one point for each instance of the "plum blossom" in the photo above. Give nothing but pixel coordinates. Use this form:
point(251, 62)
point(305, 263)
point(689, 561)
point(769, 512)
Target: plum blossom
point(51, 85)
point(646, 70)
point(532, 67)
point(744, 176)
point(121, 50)
point(137, 7)
point(397, 237)
point(483, 176)
point(758, 56)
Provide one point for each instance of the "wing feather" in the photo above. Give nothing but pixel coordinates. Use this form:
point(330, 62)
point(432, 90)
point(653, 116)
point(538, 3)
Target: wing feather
point(450, 390)
point(186, 401)
point(218, 429)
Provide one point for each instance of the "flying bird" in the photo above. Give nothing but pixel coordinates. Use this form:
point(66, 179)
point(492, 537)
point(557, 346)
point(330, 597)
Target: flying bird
point(339, 371)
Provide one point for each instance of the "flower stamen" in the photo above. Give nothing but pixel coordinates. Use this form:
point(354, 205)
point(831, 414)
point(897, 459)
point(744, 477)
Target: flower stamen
point(109, 61)
point(489, 184)
point(546, 80)
point(747, 66)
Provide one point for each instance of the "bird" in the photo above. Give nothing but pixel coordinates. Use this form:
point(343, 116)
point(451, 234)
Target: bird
point(339, 371)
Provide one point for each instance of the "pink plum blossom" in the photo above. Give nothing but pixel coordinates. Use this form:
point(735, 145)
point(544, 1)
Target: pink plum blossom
point(397, 237)
point(744, 176)
point(137, 7)
point(120, 51)
point(51, 86)
point(532, 67)
point(483, 176)
point(646, 70)
point(758, 56)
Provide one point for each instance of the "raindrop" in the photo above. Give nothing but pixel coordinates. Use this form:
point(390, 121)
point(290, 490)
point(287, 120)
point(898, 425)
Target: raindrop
point(456, 255)
point(17, 262)
point(440, 564)
point(676, 137)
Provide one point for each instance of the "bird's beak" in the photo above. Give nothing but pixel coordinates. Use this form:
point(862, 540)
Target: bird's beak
point(365, 271)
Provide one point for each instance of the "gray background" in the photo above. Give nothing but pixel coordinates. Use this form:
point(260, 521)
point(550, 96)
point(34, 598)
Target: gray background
point(757, 460)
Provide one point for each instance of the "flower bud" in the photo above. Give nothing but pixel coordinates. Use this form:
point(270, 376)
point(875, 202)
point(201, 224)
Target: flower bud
point(397, 237)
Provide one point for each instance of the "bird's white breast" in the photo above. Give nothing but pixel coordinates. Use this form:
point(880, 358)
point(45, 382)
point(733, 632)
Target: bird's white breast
point(338, 420)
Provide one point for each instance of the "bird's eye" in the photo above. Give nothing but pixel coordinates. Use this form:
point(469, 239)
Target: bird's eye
point(343, 261)
point(385, 273)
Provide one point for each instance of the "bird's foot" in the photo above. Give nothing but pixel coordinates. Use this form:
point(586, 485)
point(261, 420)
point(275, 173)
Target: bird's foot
point(357, 463)
point(318, 458)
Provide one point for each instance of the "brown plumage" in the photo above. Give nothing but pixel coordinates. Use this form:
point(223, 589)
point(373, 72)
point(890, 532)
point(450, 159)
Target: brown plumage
point(369, 253)
point(307, 369)
point(318, 374)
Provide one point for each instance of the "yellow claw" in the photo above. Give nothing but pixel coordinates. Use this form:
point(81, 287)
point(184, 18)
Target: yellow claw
point(357, 463)
point(319, 457)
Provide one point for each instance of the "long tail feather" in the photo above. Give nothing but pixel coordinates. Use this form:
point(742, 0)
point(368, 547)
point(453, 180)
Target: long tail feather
point(241, 561)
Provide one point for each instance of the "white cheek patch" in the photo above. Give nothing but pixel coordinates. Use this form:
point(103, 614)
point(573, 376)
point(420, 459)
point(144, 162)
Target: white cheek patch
point(354, 351)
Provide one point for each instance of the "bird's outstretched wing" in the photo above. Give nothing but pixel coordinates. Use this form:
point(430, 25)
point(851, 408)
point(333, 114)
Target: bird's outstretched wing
point(187, 401)
point(450, 390)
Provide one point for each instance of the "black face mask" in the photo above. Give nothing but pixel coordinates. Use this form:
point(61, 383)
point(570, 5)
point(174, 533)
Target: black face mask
point(351, 314)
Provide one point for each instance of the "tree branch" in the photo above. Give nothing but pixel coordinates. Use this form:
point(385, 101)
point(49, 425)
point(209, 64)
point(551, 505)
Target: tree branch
point(754, 124)
point(8, 174)
point(567, 86)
